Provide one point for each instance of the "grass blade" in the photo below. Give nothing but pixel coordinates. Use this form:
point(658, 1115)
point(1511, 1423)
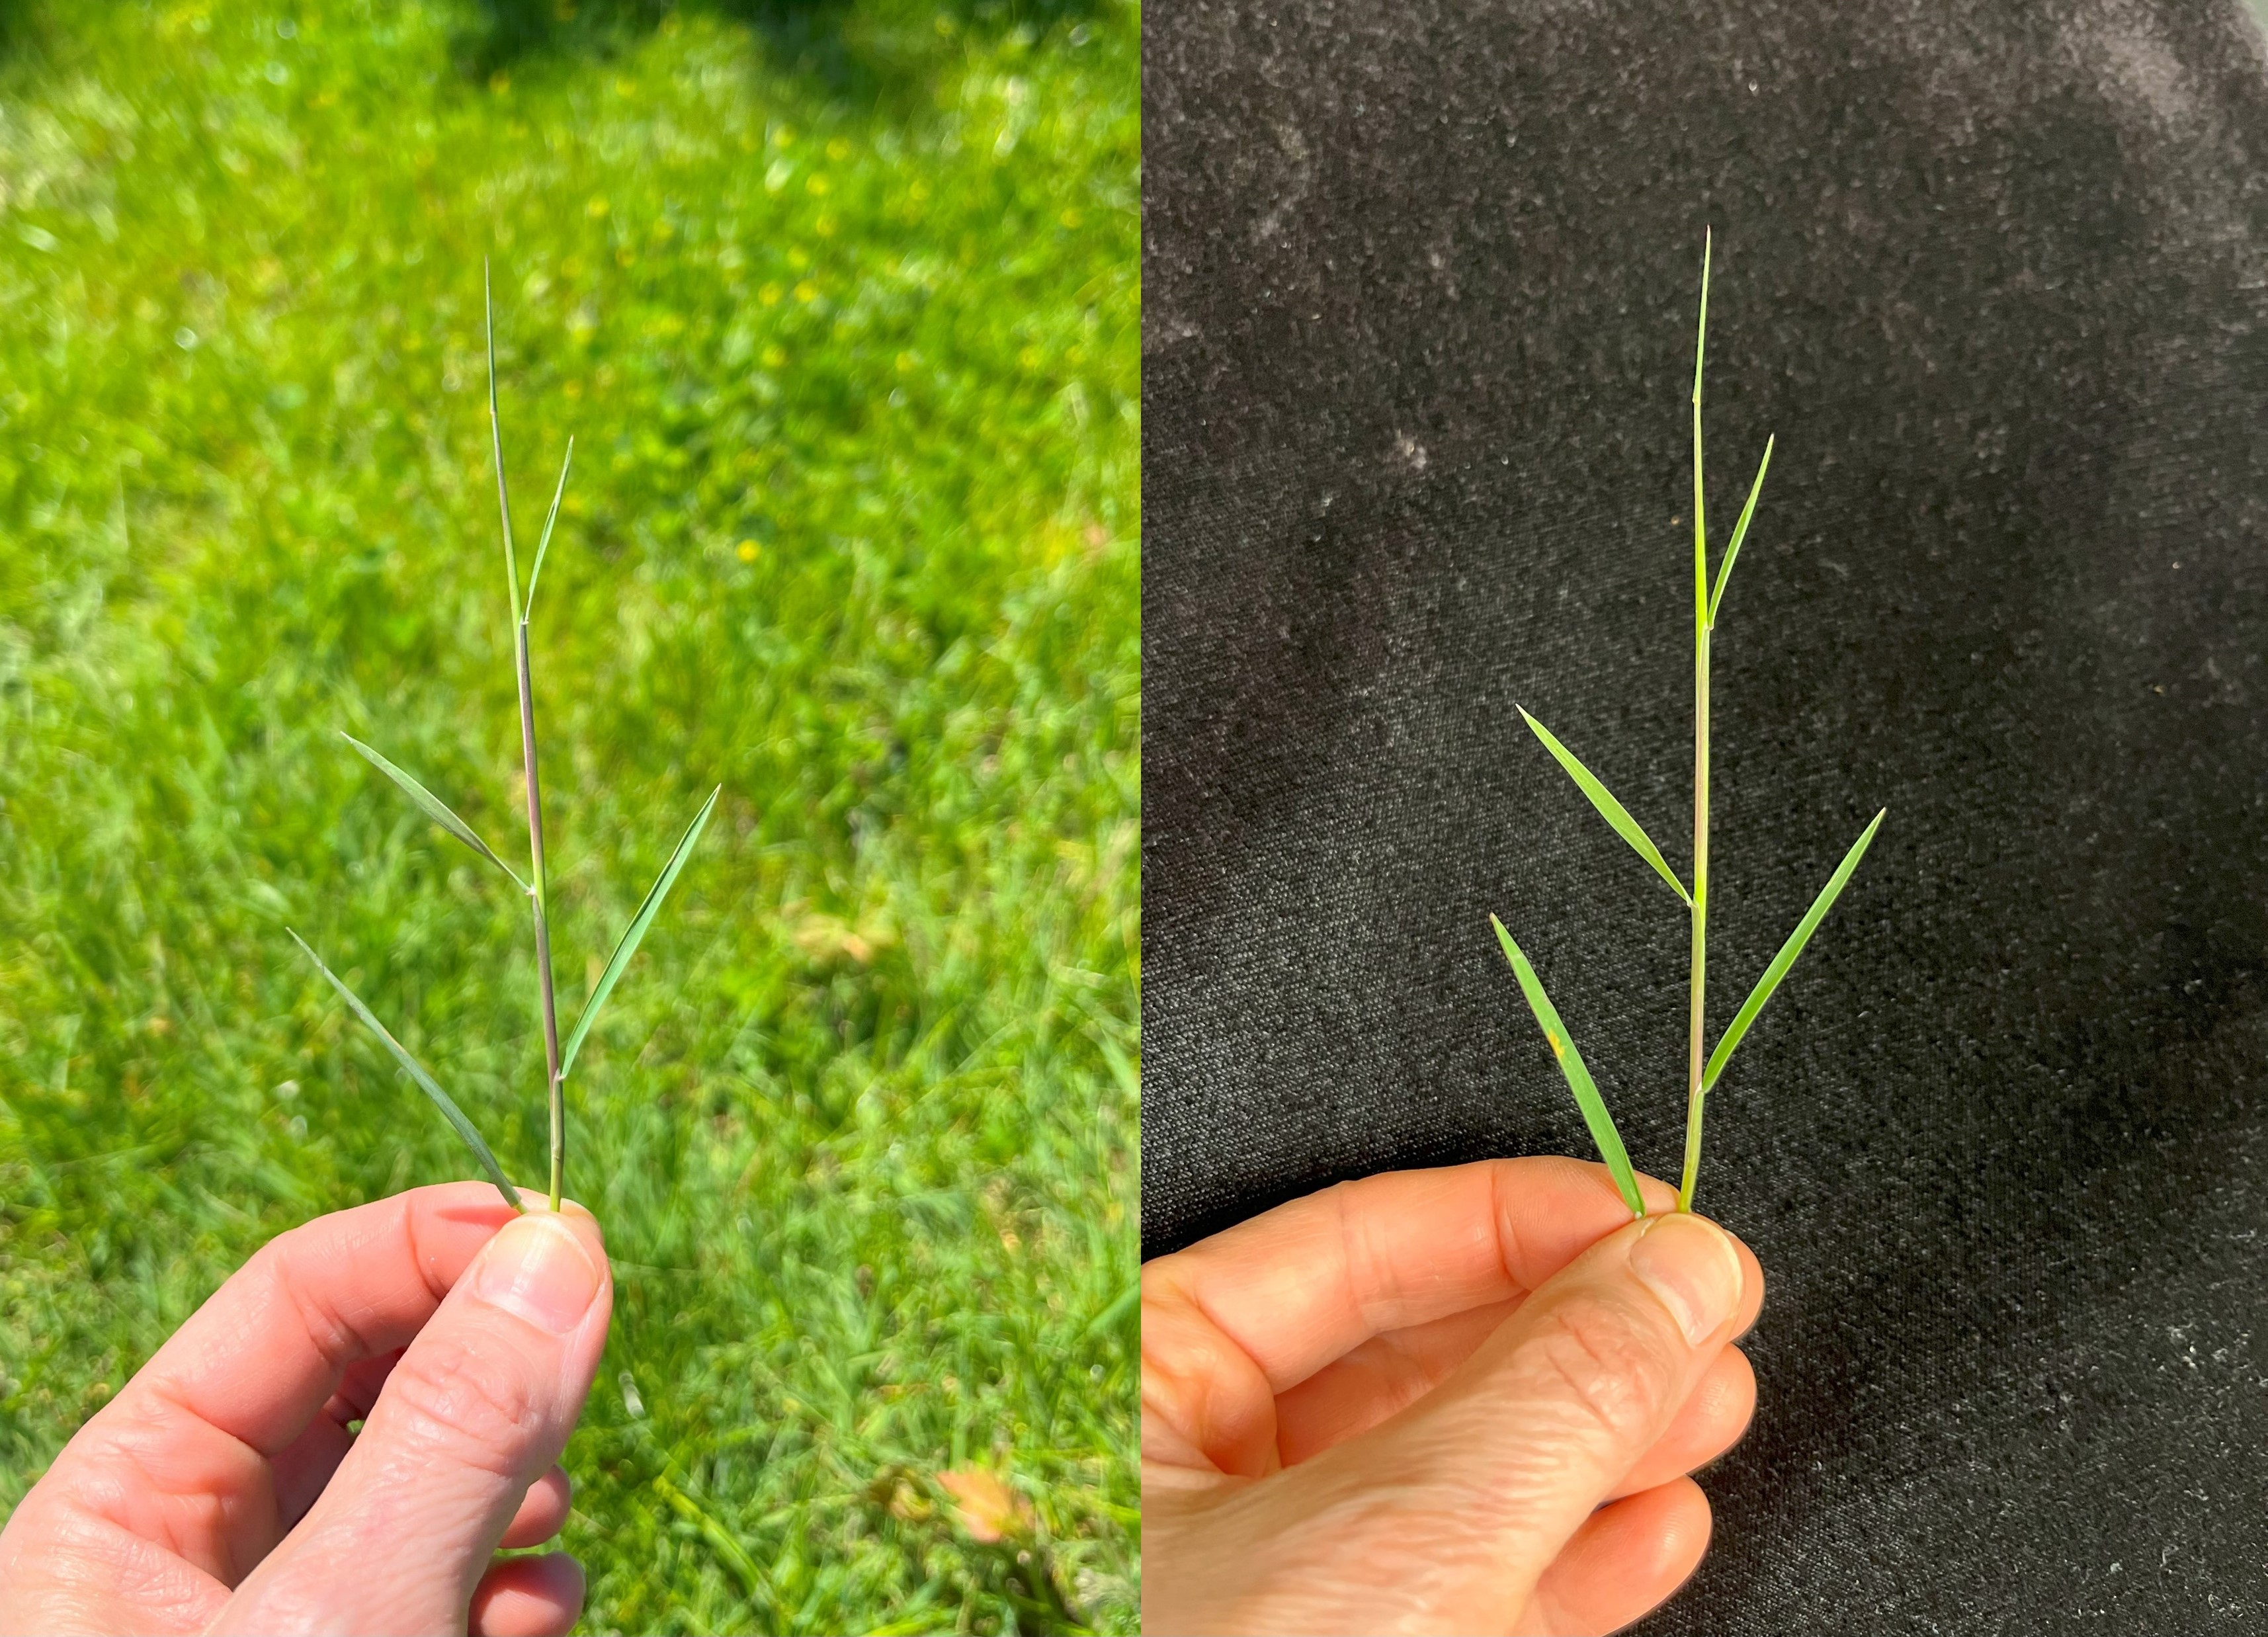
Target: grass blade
point(1739, 532)
point(1610, 810)
point(639, 922)
point(496, 442)
point(425, 1082)
point(432, 806)
point(1579, 1077)
point(1788, 951)
point(544, 544)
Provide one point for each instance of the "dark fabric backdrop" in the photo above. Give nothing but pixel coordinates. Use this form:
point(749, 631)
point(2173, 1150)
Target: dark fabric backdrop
point(1419, 282)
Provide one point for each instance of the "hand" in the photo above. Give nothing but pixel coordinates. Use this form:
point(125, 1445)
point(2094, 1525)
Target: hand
point(1460, 1400)
point(222, 1492)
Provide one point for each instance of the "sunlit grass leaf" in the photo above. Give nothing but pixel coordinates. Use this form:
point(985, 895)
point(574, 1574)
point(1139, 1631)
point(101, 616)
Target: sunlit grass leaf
point(1579, 1077)
point(433, 808)
point(496, 443)
point(425, 1082)
point(544, 544)
point(1739, 531)
point(639, 922)
point(1610, 810)
point(1788, 951)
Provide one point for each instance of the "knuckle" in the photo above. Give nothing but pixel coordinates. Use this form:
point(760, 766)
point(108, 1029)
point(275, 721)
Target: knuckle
point(1606, 1368)
point(1204, 1400)
point(474, 1405)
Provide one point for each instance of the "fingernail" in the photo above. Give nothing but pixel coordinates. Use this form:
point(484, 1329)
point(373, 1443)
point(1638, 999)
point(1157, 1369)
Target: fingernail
point(1691, 1265)
point(537, 1268)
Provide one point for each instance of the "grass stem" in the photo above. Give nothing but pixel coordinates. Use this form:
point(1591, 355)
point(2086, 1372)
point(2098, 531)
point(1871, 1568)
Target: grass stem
point(1694, 1089)
point(556, 1092)
point(539, 896)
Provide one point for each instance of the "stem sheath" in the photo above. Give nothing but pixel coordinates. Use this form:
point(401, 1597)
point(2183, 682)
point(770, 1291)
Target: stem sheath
point(538, 897)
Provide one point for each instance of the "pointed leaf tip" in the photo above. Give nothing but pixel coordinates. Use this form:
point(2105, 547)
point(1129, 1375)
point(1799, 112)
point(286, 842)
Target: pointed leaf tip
point(528, 604)
point(1788, 952)
point(432, 806)
point(631, 935)
point(1611, 810)
point(1739, 532)
point(1577, 1074)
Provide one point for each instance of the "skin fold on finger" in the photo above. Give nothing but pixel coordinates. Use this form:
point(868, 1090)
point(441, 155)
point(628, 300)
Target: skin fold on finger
point(344, 1288)
point(529, 1597)
point(1379, 1379)
point(1197, 1383)
point(542, 1515)
point(1296, 1288)
point(1715, 1417)
point(303, 1469)
point(1391, 1371)
point(1625, 1561)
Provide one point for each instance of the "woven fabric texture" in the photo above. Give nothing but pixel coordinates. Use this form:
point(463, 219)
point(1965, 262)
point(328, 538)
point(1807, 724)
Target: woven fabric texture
point(1419, 288)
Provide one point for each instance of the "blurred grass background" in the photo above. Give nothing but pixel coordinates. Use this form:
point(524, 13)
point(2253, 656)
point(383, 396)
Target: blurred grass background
point(840, 299)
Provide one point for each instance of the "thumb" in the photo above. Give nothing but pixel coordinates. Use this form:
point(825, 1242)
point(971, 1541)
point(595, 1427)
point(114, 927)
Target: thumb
point(477, 1409)
point(1498, 1467)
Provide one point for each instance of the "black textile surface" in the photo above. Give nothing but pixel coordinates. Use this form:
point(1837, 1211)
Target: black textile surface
point(1419, 282)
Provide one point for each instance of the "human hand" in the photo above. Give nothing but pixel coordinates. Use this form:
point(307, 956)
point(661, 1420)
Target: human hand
point(222, 1492)
point(1458, 1400)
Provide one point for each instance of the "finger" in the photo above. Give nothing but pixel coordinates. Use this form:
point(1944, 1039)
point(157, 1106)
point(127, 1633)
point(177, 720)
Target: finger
point(542, 1512)
point(180, 1456)
point(1385, 1374)
point(1305, 1283)
point(1380, 1378)
point(477, 1409)
point(1626, 1560)
point(1715, 1416)
point(1390, 1372)
point(315, 1300)
point(306, 1465)
point(529, 1598)
point(1298, 1288)
point(1500, 1464)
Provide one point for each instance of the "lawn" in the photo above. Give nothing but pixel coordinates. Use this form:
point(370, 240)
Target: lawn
point(840, 302)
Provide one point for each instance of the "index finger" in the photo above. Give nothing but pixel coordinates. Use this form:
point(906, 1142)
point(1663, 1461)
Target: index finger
point(267, 1349)
point(1300, 1286)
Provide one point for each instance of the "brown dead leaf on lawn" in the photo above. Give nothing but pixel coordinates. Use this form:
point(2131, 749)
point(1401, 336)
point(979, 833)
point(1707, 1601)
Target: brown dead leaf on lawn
point(987, 1509)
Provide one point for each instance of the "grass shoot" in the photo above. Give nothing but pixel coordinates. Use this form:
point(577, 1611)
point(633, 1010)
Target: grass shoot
point(1702, 1071)
point(556, 1062)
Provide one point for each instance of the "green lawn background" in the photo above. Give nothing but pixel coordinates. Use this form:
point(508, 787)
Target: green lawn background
point(840, 302)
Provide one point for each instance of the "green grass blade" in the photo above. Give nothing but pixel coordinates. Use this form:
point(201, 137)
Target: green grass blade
point(1579, 1077)
point(1739, 532)
point(425, 1082)
point(544, 544)
point(639, 922)
point(1788, 951)
point(433, 808)
point(496, 442)
point(1610, 810)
